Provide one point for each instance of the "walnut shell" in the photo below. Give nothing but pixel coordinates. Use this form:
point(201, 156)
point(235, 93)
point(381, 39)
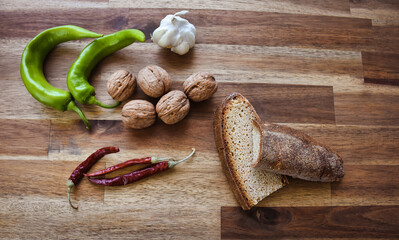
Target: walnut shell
point(173, 107)
point(121, 85)
point(154, 81)
point(200, 86)
point(138, 114)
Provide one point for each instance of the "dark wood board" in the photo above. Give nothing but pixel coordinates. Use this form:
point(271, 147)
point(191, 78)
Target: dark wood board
point(357, 222)
point(328, 68)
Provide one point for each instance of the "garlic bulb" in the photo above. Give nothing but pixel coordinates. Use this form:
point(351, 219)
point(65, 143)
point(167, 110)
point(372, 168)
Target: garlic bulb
point(176, 33)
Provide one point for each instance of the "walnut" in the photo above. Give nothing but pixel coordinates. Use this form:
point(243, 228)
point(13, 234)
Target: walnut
point(173, 107)
point(138, 114)
point(200, 86)
point(154, 81)
point(121, 85)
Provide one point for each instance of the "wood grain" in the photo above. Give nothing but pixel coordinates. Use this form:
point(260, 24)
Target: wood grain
point(381, 12)
point(159, 140)
point(328, 68)
point(255, 28)
point(367, 185)
point(252, 28)
point(103, 21)
point(368, 107)
point(24, 137)
point(42, 178)
point(298, 193)
point(340, 69)
point(381, 68)
point(386, 38)
point(310, 222)
point(23, 218)
point(307, 31)
point(329, 7)
point(11, 5)
point(243, 62)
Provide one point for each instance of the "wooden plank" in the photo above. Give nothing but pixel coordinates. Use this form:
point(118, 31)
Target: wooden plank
point(237, 63)
point(328, 7)
point(386, 38)
point(296, 31)
point(34, 217)
point(298, 193)
point(381, 68)
point(68, 139)
point(267, 29)
point(250, 28)
point(285, 103)
point(241, 63)
point(11, 5)
point(357, 145)
point(367, 185)
point(43, 178)
point(367, 108)
point(304, 62)
point(24, 137)
point(28, 23)
point(381, 12)
point(10, 58)
point(310, 222)
point(229, 63)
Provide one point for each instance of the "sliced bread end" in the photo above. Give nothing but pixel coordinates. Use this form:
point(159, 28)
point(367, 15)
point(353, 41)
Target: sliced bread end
point(234, 135)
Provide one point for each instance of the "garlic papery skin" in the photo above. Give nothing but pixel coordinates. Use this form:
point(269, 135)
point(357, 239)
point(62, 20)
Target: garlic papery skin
point(175, 33)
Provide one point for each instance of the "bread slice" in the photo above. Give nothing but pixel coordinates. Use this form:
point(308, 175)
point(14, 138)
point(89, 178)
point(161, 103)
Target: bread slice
point(233, 125)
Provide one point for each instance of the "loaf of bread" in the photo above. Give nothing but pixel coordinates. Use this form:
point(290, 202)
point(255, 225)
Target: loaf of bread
point(283, 150)
point(233, 125)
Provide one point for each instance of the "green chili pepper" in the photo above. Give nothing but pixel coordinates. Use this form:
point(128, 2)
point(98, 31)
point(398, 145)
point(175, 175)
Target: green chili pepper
point(31, 70)
point(93, 53)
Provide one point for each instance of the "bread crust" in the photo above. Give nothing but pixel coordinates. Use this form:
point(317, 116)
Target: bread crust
point(224, 150)
point(287, 151)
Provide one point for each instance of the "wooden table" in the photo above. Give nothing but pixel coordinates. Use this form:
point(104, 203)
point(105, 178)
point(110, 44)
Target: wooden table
point(329, 68)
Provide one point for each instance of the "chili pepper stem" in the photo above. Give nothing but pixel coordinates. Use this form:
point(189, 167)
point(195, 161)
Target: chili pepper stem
point(158, 160)
point(172, 163)
point(72, 106)
point(70, 185)
point(93, 100)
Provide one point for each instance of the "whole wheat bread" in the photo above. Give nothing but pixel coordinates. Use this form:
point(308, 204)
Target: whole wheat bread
point(233, 125)
point(284, 150)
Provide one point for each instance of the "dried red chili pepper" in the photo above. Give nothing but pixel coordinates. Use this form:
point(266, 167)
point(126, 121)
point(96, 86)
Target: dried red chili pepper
point(131, 162)
point(85, 166)
point(133, 176)
point(139, 174)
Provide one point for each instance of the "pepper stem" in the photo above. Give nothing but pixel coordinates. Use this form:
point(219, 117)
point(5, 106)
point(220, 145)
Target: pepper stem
point(72, 106)
point(93, 100)
point(70, 185)
point(172, 163)
point(158, 160)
